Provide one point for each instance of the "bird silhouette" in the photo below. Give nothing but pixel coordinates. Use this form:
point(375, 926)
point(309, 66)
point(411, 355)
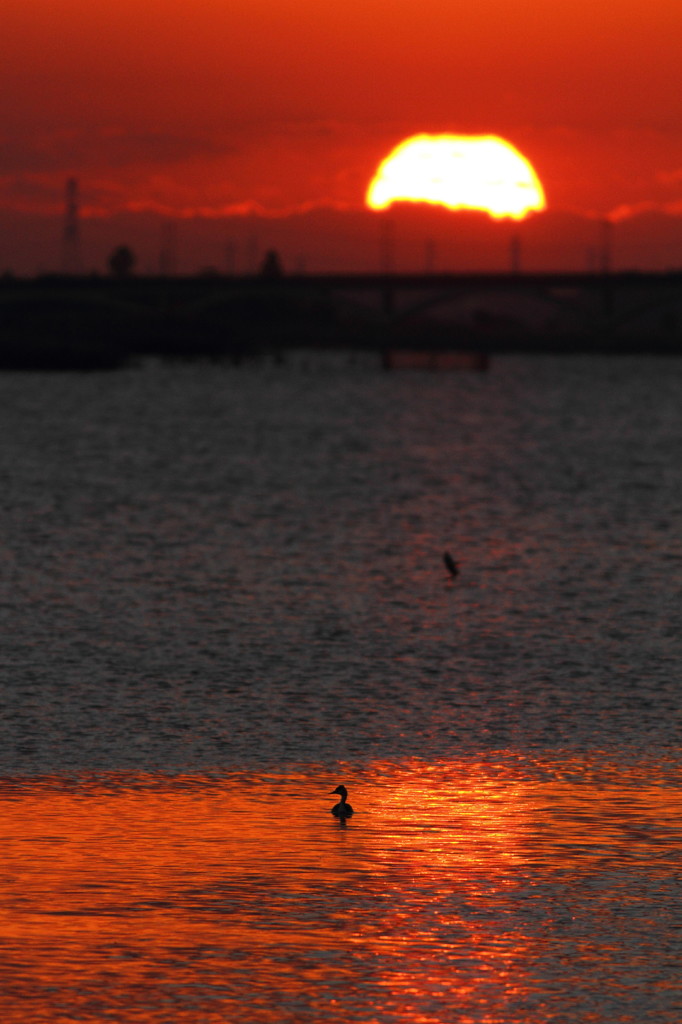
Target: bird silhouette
point(342, 809)
point(450, 564)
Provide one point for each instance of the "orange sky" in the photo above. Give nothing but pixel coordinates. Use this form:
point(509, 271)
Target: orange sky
point(206, 108)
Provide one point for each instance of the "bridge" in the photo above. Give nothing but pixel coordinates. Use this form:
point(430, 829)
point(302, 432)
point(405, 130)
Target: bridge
point(216, 314)
point(587, 300)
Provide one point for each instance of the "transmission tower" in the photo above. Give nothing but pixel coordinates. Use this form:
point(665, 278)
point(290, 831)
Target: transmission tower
point(515, 253)
point(71, 236)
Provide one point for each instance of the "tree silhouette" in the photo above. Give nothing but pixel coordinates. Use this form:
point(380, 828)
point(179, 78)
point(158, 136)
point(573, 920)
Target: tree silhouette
point(272, 265)
point(122, 261)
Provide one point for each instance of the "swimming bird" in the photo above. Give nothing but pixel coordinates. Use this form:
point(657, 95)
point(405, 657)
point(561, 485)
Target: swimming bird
point(342, 809)
point(450, 564)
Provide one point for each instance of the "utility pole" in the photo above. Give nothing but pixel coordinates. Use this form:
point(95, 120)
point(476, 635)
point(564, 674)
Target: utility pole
point(607, 246)
point(387, 245)
point(168, 253)
point(606, 265)
point(71, 237)
point(515, 253)
point(429, 256)
point(230, 257)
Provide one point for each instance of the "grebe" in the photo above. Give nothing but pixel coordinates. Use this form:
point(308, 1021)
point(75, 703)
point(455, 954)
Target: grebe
point(342, 809)
point(450, 564)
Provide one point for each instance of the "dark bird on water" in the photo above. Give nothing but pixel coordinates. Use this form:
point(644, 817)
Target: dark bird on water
point(342, 809)
point(450, 564)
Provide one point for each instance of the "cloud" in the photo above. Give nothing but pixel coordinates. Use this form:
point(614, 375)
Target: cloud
point(107, 146)
point(268, 170)
point(627, 211)
point(274, 168)
point(247, 208)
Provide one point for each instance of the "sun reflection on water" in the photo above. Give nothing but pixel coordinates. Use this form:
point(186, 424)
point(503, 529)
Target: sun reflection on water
point(498, 888)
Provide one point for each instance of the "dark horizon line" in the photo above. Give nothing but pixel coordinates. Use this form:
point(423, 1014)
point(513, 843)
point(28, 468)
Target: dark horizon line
point(359, 278)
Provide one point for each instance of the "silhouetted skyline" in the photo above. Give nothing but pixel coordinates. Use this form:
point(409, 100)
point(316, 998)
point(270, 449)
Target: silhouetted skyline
point(245, 121)
point(408, 238)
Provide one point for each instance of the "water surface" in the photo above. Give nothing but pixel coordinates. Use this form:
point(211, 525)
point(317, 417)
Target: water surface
point(462, 890)
point(222, 594)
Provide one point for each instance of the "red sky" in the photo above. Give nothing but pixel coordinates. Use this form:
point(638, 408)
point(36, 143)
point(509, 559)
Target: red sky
point(199, 110)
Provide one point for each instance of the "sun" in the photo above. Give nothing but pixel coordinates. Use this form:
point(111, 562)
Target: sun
point(462, 172)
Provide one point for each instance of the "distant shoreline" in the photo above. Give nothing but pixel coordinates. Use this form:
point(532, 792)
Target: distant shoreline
point(99, 322)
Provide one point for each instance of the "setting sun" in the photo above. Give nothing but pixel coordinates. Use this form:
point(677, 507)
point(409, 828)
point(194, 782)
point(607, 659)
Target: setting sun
point(477, 172)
